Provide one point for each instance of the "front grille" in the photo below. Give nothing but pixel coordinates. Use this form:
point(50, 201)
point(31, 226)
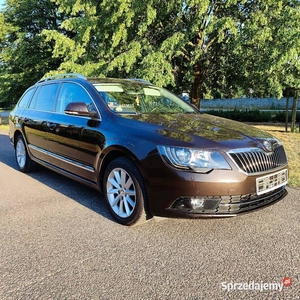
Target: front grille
point(256, 160)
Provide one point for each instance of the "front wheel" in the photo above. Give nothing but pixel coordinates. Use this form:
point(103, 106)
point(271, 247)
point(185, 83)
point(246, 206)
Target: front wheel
point(24, 162)
point(124, 192)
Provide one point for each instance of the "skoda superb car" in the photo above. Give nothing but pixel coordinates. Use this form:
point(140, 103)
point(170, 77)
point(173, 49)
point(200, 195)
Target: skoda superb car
point(149, 152)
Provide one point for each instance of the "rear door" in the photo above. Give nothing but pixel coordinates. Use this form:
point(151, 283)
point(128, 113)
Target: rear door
point(35, 119)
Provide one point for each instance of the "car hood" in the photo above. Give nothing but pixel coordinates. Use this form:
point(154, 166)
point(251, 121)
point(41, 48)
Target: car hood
point(199, 128)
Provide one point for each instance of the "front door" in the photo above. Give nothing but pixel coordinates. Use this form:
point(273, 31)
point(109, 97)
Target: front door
point(75, 142)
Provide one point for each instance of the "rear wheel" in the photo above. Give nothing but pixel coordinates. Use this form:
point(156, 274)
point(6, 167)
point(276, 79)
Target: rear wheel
point(124, 191)
point(24, 162)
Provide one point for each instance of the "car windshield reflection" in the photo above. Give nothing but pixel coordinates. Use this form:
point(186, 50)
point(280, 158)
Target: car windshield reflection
point(141, 99)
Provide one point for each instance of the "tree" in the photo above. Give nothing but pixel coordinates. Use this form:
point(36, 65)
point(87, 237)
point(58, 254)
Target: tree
point(191, 44)
point(25, 54)
point(205, 46)
point(165, 42)
point(267, 52)
point(271, 49)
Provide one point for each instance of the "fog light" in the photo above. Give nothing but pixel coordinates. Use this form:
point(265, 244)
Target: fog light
point(196, 204)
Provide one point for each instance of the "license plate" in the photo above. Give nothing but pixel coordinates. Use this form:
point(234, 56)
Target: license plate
point(271, 182)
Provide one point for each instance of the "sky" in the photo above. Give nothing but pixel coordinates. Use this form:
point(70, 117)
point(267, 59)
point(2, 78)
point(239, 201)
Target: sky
point(1, 3)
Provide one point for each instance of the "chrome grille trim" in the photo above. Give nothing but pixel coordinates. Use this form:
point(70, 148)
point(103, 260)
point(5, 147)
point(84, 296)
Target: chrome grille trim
point(256, 160)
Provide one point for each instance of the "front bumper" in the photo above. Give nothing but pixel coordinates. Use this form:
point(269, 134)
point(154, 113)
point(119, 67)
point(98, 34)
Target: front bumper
point(227, 206)
point(224, 193)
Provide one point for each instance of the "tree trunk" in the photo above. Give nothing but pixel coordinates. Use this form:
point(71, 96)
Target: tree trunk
point(196, 89)
point(294, 111)
point(287, 113)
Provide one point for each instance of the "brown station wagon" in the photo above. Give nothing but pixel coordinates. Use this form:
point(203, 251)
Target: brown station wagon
point(149, 152)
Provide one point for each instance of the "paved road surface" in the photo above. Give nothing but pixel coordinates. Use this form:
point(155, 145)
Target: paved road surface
point(58, 241)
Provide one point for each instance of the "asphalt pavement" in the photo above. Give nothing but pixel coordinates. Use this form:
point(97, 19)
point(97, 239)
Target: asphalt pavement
point(58, 241)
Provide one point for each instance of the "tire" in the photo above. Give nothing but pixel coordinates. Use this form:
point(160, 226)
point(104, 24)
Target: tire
point(24, 162)
point(124, 192)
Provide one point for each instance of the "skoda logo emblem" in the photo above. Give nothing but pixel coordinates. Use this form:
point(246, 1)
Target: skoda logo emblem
point(268, 146)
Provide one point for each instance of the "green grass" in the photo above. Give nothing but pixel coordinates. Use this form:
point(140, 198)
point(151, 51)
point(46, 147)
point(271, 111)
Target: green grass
point(4, 127)
point(4, 123)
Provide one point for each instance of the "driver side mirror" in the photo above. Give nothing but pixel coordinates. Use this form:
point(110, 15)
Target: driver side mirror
point(79, 109)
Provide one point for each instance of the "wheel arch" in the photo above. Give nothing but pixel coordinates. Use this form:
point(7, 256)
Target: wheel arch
point(30, 164)
point(16, 134)
point(132, 169)
point(111, 154)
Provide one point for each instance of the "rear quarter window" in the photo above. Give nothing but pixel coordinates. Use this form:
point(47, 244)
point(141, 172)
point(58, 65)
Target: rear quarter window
point(25, 99)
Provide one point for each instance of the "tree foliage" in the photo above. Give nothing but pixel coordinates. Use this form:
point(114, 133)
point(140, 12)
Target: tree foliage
point(24, 53)
point(202, 46)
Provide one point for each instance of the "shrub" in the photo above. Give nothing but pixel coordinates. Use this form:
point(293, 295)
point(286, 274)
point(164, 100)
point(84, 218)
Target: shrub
point(253, 115)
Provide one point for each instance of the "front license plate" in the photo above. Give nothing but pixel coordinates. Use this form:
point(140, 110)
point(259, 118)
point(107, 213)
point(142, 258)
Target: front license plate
point(271, 182)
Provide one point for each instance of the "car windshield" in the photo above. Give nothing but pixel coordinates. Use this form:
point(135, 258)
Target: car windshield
point(137, 98)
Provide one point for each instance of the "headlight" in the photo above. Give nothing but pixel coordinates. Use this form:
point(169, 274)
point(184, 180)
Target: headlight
point(201, 161)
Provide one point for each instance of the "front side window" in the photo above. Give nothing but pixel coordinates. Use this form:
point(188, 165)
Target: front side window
point(45, 97)
point(72, 92)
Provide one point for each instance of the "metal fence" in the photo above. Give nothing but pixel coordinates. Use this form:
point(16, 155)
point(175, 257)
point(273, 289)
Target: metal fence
point(247, 103)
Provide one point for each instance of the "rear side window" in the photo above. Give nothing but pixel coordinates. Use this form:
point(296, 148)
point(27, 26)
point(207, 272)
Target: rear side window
point(23, 103)
point(45, 97)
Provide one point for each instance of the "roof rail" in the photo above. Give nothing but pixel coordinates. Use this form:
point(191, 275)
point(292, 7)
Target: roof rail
point(59, 76)
point(140, 80)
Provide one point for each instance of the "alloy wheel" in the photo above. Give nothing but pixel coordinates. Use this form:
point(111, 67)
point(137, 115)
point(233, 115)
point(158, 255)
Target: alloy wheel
point(121, 192)
point(21, 154)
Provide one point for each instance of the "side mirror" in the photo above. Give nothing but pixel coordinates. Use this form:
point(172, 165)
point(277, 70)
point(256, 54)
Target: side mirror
point(79, 109)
